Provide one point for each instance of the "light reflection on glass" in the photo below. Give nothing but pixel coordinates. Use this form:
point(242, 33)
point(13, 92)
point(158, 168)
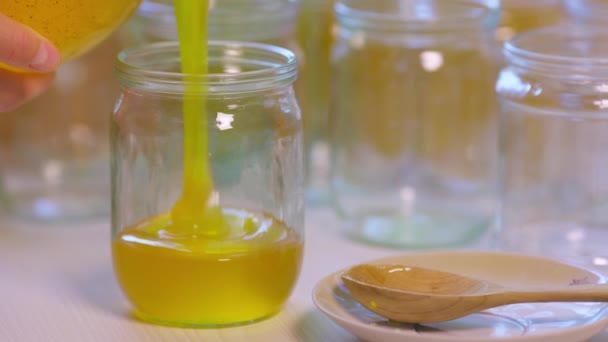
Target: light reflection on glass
point(357, 41)
point(601, 104)
point(602, 88)
point(233, 52)
point(232, 69)
point(408, 199)
point(536, 91)
point(509, 83)
point(44, 208)
point(224, 121)
point(408, 194)
point(600, 261)
point(52, 172)
point(576, 235)
point(431, 60)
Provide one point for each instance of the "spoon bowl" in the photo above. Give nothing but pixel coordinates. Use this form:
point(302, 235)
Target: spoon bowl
point(415, 294)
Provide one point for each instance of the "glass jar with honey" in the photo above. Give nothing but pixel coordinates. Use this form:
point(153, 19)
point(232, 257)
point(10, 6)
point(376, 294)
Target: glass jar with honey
point(414, 121)
point(240, 261)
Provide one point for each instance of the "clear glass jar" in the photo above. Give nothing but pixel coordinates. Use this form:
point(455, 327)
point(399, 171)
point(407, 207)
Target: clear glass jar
point(518, 16)
point(554, 189)
point(55, 149)
point(316, 34)
point(588, 12)
point(255, 142)
point(413, 121)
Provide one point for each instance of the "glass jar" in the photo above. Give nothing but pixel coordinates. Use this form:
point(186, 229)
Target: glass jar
point(316, 34)
point(413, 121)
point(554, 189)
point(255, 151)
point(55, 149)
point(588, 12)
point(518, 16)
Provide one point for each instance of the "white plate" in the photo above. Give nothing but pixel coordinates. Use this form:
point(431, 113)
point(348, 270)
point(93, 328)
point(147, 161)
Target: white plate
point(554, 322)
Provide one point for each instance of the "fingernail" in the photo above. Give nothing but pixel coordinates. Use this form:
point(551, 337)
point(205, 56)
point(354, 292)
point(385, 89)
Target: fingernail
point(46, 58)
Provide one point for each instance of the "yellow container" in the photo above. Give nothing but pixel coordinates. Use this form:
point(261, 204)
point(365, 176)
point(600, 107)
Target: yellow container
point(171, 271)
point(74, 26)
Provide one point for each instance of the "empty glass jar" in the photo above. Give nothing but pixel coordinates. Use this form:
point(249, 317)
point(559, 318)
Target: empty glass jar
point(316, 34)
point(413, 121)
point(554, 167)
point(54, 150)
point(181, 274)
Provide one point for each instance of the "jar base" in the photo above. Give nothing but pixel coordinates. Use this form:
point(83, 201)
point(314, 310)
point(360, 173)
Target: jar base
point(195, 324)
point(60, 208)
point(429, 229)
point(572, 241)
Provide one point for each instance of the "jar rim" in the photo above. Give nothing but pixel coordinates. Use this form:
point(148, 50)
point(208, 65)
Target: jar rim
point(412, 15)
point(151, 67)
point(560, 48)
point(155, 8)
point(226, 17)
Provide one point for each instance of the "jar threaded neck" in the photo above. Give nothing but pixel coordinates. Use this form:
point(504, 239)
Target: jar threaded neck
point(563, 51)
point(235, 67)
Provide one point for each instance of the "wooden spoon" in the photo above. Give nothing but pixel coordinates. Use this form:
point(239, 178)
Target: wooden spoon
point(420, 295)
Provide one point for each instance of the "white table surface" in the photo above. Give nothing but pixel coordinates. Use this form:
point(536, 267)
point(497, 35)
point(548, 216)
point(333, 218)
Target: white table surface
point(56, 284)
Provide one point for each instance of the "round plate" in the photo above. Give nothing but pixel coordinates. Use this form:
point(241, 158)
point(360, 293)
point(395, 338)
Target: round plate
point(539, 322)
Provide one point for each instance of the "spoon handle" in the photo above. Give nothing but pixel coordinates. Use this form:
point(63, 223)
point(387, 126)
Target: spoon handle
point(577, 293)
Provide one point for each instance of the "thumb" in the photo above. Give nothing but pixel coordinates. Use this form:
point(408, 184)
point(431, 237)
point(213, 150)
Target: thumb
point(23, 48)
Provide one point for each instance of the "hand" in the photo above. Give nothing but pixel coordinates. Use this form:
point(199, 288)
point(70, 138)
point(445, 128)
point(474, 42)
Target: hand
point(23, 48)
